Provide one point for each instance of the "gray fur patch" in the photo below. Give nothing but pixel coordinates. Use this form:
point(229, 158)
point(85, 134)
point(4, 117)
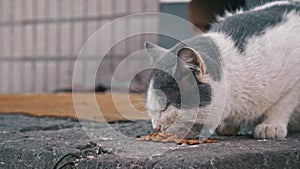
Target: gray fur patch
point(167, 62)
point(208, 51)
point(241, 27)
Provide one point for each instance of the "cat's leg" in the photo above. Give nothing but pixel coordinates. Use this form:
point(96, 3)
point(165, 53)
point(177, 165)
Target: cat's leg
point(277, 117)
point(294, 124)
point(227, 129)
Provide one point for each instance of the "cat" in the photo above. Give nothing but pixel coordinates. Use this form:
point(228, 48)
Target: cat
point(254, 55)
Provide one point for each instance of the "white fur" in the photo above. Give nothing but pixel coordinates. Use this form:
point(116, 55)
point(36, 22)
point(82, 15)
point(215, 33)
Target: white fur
point(155, 104)
point(229, 14)
point(152, 103)
point(265, 80)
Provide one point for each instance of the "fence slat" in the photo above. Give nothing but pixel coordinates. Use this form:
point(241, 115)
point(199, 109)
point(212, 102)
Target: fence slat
point(40, 40)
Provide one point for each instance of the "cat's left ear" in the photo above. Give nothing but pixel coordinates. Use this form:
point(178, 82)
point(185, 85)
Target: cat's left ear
point(193, 60)
point(154, 50)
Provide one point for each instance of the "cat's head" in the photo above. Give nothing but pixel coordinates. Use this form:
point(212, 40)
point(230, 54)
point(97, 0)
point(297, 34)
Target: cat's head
point(178, 89)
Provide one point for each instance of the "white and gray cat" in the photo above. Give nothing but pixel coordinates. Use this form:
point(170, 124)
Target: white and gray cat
point(257, 54)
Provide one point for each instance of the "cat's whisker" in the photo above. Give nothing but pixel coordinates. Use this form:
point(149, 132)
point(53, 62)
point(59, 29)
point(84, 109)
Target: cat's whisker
point(136, 90)
point(196, 121)
point(137, 100)
point(138, 104)
point(171, 130)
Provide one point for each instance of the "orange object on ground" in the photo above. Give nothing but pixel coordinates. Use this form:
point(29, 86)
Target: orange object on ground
point(169, 138)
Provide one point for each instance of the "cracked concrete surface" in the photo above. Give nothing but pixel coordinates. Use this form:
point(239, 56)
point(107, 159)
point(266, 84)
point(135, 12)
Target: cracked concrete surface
point(29, 142)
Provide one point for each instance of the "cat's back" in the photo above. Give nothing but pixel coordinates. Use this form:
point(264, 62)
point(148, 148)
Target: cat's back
point(246, 24)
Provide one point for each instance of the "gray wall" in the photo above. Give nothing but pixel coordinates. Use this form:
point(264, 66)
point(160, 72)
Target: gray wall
point(177, 9)
point(40, 39)
point(253, 3)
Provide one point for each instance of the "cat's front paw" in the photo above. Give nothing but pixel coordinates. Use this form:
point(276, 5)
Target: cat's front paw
point(270, 131)
point(226, 130)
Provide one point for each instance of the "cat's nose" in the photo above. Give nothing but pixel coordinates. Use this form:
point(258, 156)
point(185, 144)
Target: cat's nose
point(157, 128)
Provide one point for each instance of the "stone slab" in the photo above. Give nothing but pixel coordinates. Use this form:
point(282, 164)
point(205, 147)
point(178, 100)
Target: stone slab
point(31, 142)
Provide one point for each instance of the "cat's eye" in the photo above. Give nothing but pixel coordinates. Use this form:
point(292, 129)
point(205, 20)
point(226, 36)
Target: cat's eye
point(177, 105)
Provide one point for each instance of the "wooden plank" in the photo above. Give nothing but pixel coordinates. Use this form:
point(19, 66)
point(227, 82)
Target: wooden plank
point(62, 105)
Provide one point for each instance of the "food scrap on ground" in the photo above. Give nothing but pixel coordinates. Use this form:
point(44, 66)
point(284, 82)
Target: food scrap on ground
point(164, 137)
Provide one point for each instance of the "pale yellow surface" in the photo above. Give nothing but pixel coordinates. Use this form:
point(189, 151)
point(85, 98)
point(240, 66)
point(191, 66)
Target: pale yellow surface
point(62, 105)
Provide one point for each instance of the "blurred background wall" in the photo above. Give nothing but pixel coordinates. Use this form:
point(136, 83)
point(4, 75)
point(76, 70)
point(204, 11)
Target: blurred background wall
point(41, 39)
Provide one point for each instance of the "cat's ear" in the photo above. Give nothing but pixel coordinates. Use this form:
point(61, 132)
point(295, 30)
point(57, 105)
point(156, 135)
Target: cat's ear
point(193, 61)
point(154, 50)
